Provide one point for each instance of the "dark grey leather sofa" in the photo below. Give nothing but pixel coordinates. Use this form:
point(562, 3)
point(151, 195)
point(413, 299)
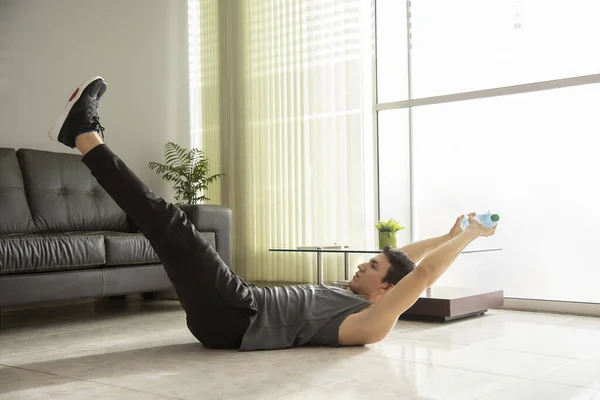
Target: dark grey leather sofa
point(62, 236)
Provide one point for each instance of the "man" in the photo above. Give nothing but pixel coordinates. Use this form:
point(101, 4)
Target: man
point(222, 310)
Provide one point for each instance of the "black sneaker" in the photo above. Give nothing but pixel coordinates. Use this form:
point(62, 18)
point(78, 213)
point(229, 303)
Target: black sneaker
point(81, 113)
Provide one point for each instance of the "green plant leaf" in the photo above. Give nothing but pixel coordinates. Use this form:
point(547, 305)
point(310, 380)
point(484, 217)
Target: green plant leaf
point(390, 225)
point(171, 153)
point(188, 170)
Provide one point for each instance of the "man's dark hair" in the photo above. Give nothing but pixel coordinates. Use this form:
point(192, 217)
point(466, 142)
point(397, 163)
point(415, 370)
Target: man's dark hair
point(400, 266)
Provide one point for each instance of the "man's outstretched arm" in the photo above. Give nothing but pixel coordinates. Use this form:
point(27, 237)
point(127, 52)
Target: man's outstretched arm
point(417, 251)
point(374, 324)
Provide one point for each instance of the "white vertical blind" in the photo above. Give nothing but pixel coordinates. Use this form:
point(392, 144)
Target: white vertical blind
point(205, 85)
point(295, 123)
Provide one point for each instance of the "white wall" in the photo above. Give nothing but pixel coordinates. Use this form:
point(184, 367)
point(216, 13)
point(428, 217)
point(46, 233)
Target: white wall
point(47, 48)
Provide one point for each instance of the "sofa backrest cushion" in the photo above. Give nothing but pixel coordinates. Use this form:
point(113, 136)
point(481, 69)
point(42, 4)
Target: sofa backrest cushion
point(65, 197)
point(15, 216)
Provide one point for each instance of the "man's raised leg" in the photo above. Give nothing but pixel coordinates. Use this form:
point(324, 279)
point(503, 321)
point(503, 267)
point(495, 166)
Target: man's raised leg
point(172, 235)
point(217, 302)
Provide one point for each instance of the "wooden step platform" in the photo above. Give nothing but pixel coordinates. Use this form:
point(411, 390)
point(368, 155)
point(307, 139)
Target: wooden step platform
point(445, 303)
point(449, 303)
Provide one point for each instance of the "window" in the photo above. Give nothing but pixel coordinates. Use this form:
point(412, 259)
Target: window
point(470, 141)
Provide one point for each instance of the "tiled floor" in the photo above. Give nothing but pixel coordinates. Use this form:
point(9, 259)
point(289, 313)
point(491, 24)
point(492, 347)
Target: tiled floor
point(142, 350)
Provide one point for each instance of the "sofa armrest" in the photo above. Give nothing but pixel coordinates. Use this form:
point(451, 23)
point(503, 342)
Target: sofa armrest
point(212, 218)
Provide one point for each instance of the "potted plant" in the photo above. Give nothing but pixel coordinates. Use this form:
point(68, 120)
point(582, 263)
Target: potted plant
point(387, 232)
point(188, 169)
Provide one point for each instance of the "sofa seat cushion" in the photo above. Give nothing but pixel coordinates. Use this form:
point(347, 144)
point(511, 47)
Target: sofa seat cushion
point(134, 249)
point(31, 253)
point(128, 249)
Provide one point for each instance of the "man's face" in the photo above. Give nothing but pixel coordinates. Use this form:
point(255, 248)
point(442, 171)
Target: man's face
point(368, 279)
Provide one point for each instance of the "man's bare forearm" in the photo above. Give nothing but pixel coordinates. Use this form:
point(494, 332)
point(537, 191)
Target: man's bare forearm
point(383, 315)
point(419, 250)
point(440, 259)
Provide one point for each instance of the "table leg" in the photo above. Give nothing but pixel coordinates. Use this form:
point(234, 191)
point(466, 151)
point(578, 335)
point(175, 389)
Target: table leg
point(319, 268)
point(346, 272)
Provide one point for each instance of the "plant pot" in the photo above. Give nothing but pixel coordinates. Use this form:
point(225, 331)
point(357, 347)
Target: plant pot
point(387, 238)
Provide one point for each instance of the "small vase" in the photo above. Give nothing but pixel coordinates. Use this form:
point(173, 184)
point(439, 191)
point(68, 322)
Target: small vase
point(387, 238)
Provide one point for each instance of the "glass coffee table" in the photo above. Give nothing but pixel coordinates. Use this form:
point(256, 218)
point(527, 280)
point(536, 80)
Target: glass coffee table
point(345, 251)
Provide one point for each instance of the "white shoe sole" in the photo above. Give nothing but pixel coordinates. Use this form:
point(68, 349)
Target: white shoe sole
point(54, 132)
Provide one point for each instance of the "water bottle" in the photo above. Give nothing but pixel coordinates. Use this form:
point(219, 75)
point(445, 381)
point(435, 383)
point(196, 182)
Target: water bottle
point(488, 219)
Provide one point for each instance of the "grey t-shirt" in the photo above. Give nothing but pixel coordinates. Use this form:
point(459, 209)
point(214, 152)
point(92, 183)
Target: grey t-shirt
point(291, 316)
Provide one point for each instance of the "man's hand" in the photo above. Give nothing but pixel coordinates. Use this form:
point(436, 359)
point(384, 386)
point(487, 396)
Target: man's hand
point(456, 229)
point(482, 230)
